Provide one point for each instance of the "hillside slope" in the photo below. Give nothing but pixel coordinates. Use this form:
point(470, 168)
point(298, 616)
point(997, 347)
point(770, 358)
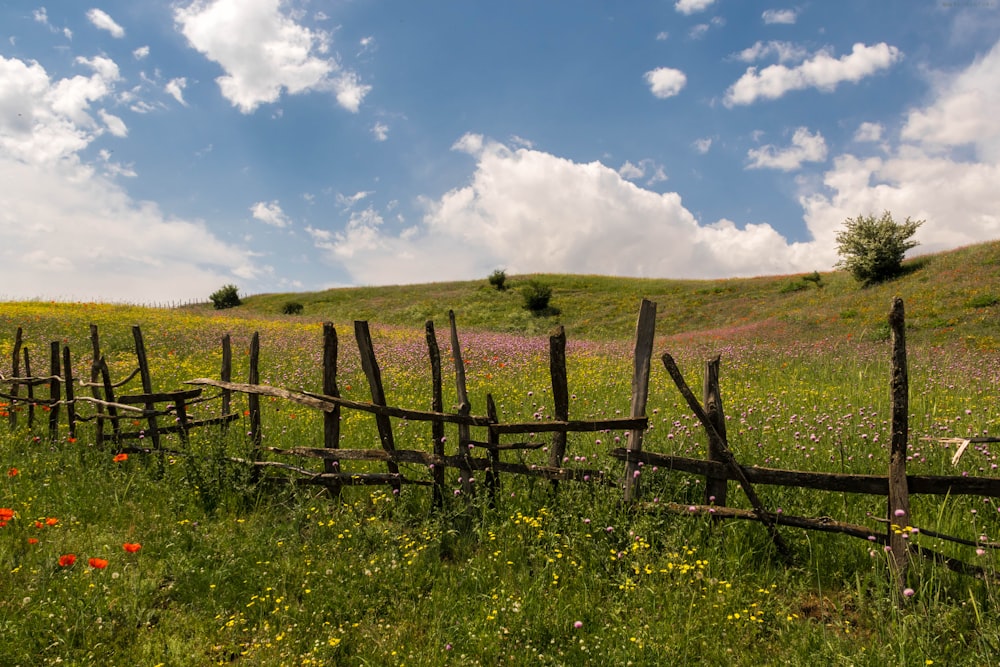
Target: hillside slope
point(956, 292)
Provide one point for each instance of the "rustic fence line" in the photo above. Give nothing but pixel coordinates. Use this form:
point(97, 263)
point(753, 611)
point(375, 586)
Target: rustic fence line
point(719, 468)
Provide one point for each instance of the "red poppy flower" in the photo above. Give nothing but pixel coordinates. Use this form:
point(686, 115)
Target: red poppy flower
point(51, 521)
point(66, 560)
point(13, 472)
point(131, 547)
point(32, 540)
point(120, 457)
point(6, 514)
point(98, 563)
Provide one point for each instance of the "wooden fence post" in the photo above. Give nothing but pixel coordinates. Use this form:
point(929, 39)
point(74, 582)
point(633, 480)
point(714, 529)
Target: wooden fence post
point(715, 488)
point(437, 405)
point(899, 499)
point(95, 375)
point(253, 402)
point(30, 388)
point(370, 366)
point(644, 333)
point(464, 407)
point(560, 396)
point(54, 390)
point(70, 392)
point(15, 371)
point(226, 375)
point(331, 419)
point(147, 386)
point(493, 474)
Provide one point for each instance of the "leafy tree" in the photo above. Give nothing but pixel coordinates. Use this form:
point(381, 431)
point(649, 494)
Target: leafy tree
point(227, 296)
point(873, 249)
point(498, 279)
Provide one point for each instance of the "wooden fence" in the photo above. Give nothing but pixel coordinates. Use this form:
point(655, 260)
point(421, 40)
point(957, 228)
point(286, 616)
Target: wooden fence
point(486, 454)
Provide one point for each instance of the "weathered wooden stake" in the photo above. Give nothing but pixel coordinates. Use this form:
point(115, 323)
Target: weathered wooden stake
point(253, 401)
point(560, 396)
point(331, 419)
point(70, 395)
point(645, 330)
point(95, 375)
point(899, 499)
point(147, 386)
point(493, 473)
point(437, 405)
point(464, 407)
point(715, 488)
point(370, 366)
point(15, 370)
point(226, 375)
point(30, 389)
point(54, 390)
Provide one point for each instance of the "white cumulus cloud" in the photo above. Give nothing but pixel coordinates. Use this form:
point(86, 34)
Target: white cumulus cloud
point(264, 52)
point(175, 88)
point(805, 147)
point(869, 132)
point(783, 16)
point(822, 71)
point(665, 82)
point(74, 231)
point(782, 51)
point(692, 6)
point(269, 212)
point(100, 19)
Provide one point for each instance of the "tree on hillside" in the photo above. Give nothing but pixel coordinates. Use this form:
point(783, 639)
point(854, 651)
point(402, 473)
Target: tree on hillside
point(872, 249)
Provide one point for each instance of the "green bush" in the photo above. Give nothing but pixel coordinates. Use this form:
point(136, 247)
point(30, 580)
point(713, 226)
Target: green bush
point(292, 308)
point(536, 295)
point(498, 279)
point(872, 249)
point(227, 296)
point(983, 301)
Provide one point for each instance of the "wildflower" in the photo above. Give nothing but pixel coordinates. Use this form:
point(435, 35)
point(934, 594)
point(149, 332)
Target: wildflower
point(32, 540)
point(908, 592)
point(980, 552)
point(578, 624)
point(13, 472)
point(119, 458)
point(66, 560)
point(131, 547)
point(6, 514)
point(98, 563)
point(51, 521)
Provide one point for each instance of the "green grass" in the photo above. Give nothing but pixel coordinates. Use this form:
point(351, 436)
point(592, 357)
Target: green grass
point(230, 572)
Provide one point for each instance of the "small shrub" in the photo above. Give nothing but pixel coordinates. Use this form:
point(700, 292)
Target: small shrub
point(536, 295)
point(292, 308)
point(793, 286)
point(872, 250)
point(983, 301)
point(499, 279)
point(227, 296)
point(815, 278)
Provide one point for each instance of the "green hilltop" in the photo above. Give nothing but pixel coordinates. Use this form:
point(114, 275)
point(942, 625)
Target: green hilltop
point(948, 294)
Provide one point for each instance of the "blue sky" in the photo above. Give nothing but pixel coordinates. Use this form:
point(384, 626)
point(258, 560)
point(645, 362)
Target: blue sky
point(154, 151)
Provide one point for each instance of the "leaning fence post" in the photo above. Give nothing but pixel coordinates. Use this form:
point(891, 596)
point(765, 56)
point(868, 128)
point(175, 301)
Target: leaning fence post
point(226, 375)
point(147, 386)
point(15, 371)
point(715, 487)
point(437, 405)
point(899, 500)
point(30, 388)
point(464, 407)
point(560, 396)
point(54, 392)
point(253, 402)
point(331, 419)
point(70, 396)
point(95, 375)
point(369, 364)
point(644, 334)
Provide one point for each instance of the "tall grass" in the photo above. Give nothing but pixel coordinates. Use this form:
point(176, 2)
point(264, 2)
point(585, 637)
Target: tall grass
point(231, 572)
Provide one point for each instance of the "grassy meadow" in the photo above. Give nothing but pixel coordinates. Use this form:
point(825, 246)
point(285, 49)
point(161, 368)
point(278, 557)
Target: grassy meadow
point(106, 560)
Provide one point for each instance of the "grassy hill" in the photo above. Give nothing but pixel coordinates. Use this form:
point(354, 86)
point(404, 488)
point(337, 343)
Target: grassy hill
point(946, 294)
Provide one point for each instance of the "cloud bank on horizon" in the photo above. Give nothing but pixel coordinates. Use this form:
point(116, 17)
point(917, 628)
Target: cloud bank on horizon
point(153, 153)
